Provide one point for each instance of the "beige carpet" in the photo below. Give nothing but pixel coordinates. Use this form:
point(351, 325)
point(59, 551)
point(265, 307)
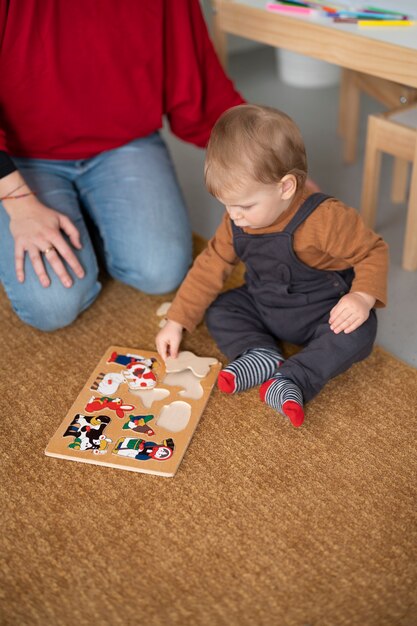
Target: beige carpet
point(263, 524)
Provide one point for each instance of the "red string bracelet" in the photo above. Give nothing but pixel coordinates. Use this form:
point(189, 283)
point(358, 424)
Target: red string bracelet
point(20, 195)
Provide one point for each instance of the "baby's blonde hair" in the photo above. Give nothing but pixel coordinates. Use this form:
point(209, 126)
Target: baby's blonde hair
point(253, 143)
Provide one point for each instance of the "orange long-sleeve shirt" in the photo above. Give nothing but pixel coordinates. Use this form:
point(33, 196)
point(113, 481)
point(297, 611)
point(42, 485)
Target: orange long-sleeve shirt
point(333, 237)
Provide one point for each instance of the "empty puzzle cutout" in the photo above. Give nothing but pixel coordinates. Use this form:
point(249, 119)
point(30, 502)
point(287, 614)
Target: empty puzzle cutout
point(188, 380)
point(150, 396)
point(175, 416)
point(199, 365)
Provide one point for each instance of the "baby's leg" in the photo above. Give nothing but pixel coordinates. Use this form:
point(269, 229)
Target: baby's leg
point(325, 356)
point(284, 396)
point(235, 325)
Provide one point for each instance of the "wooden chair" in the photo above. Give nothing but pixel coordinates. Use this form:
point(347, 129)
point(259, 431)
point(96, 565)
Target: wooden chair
point(352, 85)
point(391, 95)
point(394, 133)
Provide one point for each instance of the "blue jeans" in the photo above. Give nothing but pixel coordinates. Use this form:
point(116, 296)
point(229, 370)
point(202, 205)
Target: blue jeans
point(132, 198)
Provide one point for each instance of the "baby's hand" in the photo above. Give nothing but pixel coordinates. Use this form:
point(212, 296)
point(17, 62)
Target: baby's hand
point(168, 339)
point(350, 312)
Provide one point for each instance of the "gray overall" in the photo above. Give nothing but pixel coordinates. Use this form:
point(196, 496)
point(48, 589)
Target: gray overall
point(283, 299)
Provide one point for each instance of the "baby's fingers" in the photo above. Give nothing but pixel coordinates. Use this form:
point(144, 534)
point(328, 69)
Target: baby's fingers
point(162, 345)
point(343, 321)
point(337, 314)
point(173, 349)
point(353, 325)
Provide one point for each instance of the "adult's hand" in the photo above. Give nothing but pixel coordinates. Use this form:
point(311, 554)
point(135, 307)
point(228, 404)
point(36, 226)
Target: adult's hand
point(38, 231)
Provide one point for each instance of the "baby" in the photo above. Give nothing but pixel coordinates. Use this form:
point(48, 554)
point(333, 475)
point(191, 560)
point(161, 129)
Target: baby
point(314, 271)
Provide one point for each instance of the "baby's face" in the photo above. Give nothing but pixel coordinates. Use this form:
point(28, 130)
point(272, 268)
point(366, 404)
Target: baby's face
point(256, 206)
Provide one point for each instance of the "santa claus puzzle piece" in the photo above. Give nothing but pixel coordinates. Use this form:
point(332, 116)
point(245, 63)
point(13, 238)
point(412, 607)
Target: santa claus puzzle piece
point(138, 374)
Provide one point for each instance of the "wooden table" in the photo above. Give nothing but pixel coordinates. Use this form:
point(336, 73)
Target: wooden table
point(389, 53)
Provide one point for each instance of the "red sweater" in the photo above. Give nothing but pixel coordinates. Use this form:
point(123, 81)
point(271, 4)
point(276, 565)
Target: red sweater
point(82, 76)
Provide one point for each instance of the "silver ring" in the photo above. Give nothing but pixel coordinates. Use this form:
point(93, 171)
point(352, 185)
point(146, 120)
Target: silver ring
point(48, 250)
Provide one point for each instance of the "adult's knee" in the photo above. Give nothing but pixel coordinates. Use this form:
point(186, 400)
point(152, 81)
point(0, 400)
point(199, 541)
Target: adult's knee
point(55, 307)
point(154, 274)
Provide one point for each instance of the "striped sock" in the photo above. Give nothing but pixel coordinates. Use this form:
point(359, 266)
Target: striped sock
point(254, 367)
point(284, 396)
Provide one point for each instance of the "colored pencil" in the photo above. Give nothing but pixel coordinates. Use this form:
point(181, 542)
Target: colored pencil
point(369, 16)
point(383, 23)
point(369, 9)
point(293, 10)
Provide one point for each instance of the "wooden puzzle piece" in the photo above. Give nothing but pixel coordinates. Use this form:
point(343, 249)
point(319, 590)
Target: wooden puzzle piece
point(175, 416)
point(140, 370)
point(142, 450)
point(136, 375)
point(139, 424)
point(107, 384)
point(163, 309)
point(130, 358)
point(199, 365)
point(87, 431)
point(150, 396)
point(139, 376)
point(113, 404)
point(188, 380)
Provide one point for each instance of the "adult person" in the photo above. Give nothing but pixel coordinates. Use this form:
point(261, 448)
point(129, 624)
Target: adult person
point(84, 88)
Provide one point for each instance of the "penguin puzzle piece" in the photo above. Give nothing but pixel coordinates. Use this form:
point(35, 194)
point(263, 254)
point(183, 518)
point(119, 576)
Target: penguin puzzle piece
point(199, 365)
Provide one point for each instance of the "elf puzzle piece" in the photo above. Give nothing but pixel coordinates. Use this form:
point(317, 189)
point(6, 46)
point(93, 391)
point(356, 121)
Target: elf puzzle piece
point(142, 450)
point(88, 434)
point(138, 374)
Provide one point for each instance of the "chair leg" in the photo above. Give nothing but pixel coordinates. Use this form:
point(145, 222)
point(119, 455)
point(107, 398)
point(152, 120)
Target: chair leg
point(219, 38)
point(343, 90)
point(410, 243)
point(371, 173)
point(352, 112)
point(399, 181)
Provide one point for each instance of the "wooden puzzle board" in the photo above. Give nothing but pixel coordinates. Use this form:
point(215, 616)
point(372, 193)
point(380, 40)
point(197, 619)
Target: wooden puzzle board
point(114, 419)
